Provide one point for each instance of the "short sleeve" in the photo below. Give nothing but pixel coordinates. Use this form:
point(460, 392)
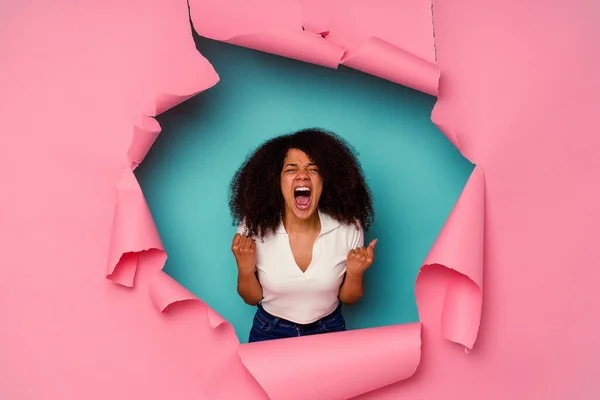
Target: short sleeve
point(242, 229)
point(356, 237)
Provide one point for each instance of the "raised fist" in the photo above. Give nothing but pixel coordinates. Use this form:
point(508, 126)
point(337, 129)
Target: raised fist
point(360, 259)
point(244, 250)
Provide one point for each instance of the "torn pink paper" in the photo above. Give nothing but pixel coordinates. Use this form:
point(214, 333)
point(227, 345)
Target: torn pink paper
point(134, 234)
point(393, 351)
point(389, 41)
point(272, 26)
point(166, 101)
point(335, 366)
point(316, 16)
point(405, 24)
point(459, 247)
point(54, 250)
point(147, 129)
point(383, 59)
point(143, 138)
point(450, 134)
point(166, 291)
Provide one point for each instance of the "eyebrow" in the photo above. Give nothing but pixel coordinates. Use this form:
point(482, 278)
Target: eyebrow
point(295, 165)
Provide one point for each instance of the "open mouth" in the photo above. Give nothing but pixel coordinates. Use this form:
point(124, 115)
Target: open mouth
point(302, 197)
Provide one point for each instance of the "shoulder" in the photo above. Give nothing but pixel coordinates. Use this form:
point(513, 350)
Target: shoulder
point(242, 229)
point(356, 236)
point(352, 235)
point(352, 231)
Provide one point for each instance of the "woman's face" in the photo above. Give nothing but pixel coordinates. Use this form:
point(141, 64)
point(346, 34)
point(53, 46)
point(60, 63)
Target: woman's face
point(301, 184)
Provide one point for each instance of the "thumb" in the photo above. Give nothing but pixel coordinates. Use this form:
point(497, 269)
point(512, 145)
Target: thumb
point(373, 243)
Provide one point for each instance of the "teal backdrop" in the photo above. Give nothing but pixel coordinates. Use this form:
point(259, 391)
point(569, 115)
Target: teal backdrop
point(415, 173)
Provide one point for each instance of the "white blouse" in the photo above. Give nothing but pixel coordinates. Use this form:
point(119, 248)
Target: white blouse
point(305, 297)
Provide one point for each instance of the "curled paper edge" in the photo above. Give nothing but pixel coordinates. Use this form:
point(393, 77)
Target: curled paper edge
point(393, 351)
point(134, 235)
point(144, 135)
point(438, 120)
point(376, 56)
point(166, 292)
point(313, 18)
point(387, 61)
point(298, 45)
point(449, 133)
point(459, 247)
point(166, 101)
point(147, 128)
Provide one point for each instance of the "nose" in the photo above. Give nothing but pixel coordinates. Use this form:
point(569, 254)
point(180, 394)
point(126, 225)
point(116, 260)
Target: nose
point(302, 174)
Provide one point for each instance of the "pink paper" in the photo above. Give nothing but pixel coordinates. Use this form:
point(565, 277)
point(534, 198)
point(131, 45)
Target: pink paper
point(383, 59)
point(518, 96)
point(143, 138)
point(459, 247)
point(389, 39)
point(272, 26)
point(166, 291)
point(334, 366)
point(134, 234)
point(394, 351)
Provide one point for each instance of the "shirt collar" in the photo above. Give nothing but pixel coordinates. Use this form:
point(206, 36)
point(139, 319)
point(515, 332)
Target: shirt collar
point(327, 224)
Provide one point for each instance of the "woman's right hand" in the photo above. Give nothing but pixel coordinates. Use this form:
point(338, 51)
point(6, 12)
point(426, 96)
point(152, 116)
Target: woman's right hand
point(244, 250)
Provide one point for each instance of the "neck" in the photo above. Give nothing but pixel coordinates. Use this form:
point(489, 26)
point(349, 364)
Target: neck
point(295, 225)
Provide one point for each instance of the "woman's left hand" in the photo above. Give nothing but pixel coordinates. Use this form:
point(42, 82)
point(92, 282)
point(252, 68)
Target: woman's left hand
point(360, 259)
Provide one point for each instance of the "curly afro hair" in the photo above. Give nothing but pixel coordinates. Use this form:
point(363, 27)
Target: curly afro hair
point(255, 191)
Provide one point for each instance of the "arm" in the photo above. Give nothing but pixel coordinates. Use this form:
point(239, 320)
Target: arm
point(249, 288)
point(359, 259)
point(352, 288)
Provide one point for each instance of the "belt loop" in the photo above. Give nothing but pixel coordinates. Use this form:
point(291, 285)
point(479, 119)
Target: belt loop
point(275, 321)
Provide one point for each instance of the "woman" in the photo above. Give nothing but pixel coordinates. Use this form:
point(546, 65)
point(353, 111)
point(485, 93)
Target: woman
point(301, 204)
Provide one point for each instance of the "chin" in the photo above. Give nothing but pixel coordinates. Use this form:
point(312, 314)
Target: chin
point(303, 214)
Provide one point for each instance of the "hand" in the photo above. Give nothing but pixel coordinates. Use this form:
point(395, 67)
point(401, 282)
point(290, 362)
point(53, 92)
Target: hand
point(360, 259)
point(244, 250)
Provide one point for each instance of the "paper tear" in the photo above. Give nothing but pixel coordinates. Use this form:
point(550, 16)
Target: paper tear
point(459, 247)
point(134, 235)
point(144, 136)
point(307, 34)
point(362, 360)
point(380, 58)
point(166, 101)
point(433, 34)
point(303, 46)
point(166, 291)
point(394, 351)
point(450, 134)
point(314, 18)
point(270, 26)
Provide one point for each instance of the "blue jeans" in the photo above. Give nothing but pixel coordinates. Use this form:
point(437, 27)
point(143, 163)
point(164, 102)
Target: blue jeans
point(268, 327)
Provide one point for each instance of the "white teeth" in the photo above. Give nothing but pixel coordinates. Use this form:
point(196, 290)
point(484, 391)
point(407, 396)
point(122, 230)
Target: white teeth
point(302, 189)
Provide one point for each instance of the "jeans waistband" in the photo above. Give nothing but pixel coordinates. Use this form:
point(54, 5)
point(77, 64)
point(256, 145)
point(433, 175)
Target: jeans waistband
point(276, 321)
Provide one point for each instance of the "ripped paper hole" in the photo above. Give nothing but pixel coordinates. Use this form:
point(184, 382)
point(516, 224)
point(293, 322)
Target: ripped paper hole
point(394, 351)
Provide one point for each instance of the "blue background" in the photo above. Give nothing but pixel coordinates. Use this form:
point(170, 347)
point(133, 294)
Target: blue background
point(415, 173)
